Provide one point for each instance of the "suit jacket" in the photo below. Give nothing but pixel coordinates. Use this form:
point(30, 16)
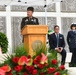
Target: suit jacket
point(71, 39)
point(53, 41)
point(26, 21)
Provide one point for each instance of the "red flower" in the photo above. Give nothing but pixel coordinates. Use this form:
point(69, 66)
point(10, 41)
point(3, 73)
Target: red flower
point(44, 58)
point(35, 71)
point(5, 68)
point(56, 73)
point(42, 73)
point(15, 59)
point(54, 61)
point(24, 60)
point(25, 73)
point(51, 70)
point(29, 68)
point(37, 60)
point(40, 66)
point(18, 68)
point(62, 67)
point(2, 72)
point(9, 73)
point(29, 56)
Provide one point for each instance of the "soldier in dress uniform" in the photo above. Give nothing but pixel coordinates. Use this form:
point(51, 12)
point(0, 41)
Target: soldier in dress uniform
point(71, 40)
point(29, 20)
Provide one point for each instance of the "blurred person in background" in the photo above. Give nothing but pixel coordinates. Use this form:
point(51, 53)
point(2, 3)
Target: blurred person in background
point(71, 40)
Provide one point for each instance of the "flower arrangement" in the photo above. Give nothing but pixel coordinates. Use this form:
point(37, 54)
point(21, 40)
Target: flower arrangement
point(21, 63)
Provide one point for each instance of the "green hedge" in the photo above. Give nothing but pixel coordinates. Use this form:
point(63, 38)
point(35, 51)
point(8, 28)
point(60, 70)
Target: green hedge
point(3, 42)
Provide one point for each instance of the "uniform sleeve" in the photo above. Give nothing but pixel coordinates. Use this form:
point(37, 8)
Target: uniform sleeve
point(22, 23)
point(63, 42)
point(68, 38)
point(37, 21)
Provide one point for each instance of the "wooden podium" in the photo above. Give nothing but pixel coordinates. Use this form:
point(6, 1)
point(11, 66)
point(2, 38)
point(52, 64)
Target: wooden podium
point(33, 34)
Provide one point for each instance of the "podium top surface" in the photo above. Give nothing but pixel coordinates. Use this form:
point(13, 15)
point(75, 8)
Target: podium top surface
point(34, 29)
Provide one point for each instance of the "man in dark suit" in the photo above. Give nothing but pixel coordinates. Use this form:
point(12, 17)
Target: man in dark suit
point(29, 20)
point(56, 42)
point(71, 40)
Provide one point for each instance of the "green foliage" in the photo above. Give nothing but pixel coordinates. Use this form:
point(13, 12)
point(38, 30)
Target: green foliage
point(14, 73)
point(63, 72)
point(21, 51)
point(8, 60)
point(3, 42)
point(52, 55)
point(41, 49)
